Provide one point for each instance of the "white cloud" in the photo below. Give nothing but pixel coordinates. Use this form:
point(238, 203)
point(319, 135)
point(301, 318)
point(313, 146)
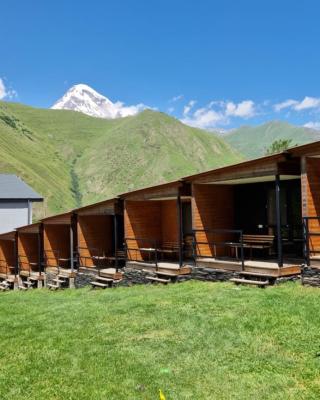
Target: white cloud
point(306, 104)
point(126, 111)
point(188, 107)
point(244, 109)
point(205, 118)
point(285, 104)
point(313, 125)
point(217, 113)
point(3, 92)
point(170, 110)
point(176, 98)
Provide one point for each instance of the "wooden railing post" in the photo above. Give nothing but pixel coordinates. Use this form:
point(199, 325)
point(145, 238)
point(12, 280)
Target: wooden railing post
point(278, 219)
point(180, 233)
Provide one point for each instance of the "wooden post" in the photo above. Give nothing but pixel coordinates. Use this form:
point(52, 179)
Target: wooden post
point(180, 227)
point(71, 247)
point(40, 249)
point(15, 252)
point(278, 219)
point(115, 232)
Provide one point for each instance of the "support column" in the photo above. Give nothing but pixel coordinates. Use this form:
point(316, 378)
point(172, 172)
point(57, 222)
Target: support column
point(115, 232)
point(278, 221)
point(40, 249)
point(180, 227)
point(15, 251)
point(71, 248)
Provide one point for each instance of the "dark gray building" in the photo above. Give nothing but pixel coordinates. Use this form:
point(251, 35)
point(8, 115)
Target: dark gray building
point(16, 199)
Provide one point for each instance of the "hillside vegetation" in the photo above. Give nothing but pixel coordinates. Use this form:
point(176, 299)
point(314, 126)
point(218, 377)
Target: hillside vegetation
point(194, 340)
point(73, 159)
point(253, 141)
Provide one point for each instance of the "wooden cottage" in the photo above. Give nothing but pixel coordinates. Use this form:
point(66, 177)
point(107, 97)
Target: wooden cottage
point(157, 226)
point(100, 235)
point(8, 259)
point(254, 216)
point(30, 254)
point(60, 242)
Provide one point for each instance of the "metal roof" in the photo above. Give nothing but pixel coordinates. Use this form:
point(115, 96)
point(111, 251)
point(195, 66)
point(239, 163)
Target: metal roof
point(13, 188)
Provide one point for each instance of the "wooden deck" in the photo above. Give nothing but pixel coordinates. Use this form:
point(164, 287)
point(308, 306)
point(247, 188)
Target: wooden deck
point(169, 267)
point(33, 274)
point(9, 277)
point(268, 267)
point(67, 272)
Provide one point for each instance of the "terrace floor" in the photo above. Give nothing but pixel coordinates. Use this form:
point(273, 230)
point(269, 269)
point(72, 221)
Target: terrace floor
point(291, 267)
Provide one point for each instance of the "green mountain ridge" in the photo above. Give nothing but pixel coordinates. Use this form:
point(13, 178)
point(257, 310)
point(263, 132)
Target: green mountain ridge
point(253, 141)
point(73, 159)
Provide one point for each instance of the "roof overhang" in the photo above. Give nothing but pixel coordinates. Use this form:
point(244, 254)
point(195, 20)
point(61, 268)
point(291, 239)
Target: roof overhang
point(107, 207)
point(32, 228)
point(60, 219)
point(258, 179)
point(8, 235)
point(167, 191)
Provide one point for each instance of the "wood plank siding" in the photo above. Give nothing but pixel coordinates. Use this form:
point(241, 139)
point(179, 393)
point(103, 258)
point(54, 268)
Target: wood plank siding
point(56, 243)
point(311, 197)
point(28, 251)
point(7, 256)
point(212, 208)
point(152, 221)
point(95, 237)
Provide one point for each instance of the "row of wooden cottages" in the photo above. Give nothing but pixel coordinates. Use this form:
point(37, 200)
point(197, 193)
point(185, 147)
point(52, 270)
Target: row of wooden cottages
point(258, 218)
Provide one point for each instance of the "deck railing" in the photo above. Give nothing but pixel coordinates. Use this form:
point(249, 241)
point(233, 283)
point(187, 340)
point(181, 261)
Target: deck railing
point(235, 244)
point(308, 234)
point(151, 249)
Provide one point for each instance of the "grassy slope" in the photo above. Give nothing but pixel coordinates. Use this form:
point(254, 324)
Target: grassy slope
point(101, 158)
point(27, 153)
point(252, 141)
point(194, 341)
point(145, 150)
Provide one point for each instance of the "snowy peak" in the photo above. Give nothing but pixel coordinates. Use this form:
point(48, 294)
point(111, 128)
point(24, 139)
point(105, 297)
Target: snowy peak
point(83, 98)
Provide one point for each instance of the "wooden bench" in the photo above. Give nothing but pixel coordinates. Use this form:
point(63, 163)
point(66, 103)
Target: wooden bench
point(251, 242)
point(260, 242)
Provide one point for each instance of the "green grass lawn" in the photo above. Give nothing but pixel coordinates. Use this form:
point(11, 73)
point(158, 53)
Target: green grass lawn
point(193, 340)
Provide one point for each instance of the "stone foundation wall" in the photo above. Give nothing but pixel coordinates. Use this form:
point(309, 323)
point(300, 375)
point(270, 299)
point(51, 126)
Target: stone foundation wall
point(132, 276)
point(83, 279)
point(213, 275)
point(50, 276)
point(311, 277)
point(292, 278)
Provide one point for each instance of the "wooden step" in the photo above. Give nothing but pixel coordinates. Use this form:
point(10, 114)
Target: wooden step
point(99, 284)
point(57, 280)
point(103, 279)
point(52, 286)
point(61, 276)
point(257, 274)
point(166, 274)
point(160, 280)
point(22, 287)
point(28, 283)
point(239, 281)
point(33, 278)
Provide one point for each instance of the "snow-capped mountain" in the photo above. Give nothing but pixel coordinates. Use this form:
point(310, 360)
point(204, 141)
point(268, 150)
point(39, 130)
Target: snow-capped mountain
point(84, 99)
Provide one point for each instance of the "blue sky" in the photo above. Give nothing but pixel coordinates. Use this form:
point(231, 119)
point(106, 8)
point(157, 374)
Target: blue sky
point(213, 64)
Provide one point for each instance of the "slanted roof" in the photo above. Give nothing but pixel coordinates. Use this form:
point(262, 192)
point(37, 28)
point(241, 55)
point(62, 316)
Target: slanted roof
point(13, 188)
